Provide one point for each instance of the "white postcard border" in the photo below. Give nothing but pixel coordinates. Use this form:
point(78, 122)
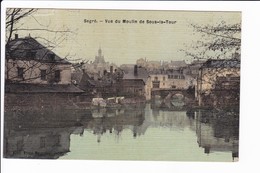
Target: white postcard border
point(249, 117)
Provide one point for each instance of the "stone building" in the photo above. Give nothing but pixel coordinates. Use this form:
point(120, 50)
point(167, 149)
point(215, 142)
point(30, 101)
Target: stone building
point(135, 82)
point(218, 76)
point(174, 80)
point(28, 61)
point(36, 77)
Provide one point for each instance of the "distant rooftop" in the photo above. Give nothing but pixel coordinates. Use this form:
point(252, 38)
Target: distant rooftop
point(178, 63)
point(141, 74)
point(221, 63)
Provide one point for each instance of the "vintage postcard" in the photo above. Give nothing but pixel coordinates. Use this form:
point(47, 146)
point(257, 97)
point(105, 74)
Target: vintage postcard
point(116, 84)
point(122, 85)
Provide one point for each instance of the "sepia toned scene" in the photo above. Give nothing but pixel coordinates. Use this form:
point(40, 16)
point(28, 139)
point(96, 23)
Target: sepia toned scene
point(122, 85)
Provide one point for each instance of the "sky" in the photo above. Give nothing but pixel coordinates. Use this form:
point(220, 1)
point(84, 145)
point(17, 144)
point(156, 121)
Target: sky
point(121, 43)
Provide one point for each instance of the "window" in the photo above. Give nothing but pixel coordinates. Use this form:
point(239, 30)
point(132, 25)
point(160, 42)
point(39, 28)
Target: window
point(57, 75)
point(57, 140)
point(164, 78)
point(43, 74)
point(156, 78)
point(42, 142)
point(156, 84)
point(170, 76)
point(20, 72)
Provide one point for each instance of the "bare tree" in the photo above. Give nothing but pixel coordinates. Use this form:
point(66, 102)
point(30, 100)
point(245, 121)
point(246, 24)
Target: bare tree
point(15, 23)
point(215, 42)
point(13, 17)
point(221, 41)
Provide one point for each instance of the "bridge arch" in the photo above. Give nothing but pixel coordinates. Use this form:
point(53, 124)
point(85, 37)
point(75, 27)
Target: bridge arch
point(169, 93)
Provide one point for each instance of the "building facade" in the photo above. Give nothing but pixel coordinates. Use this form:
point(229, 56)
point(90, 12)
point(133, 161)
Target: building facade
point(135, 82)
point(27, 61)
point(171, 81)
point(218, 76)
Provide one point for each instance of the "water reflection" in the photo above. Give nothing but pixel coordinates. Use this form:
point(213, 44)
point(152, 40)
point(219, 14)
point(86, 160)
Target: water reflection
point(47, 133)
point(114, 121)
point(218, 131)
point(39, 134)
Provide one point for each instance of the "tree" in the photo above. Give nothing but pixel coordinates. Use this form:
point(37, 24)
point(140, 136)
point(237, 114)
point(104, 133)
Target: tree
point(13, 18)
point(15, 23)
point(215, 42)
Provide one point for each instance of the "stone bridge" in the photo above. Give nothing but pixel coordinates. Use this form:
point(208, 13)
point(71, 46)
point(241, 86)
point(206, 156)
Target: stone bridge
point(169, 93)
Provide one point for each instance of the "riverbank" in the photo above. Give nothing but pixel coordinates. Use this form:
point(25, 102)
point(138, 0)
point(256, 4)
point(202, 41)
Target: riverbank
point(56, 101)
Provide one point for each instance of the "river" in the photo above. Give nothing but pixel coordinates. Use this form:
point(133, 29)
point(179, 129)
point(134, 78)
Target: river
point(126, 133)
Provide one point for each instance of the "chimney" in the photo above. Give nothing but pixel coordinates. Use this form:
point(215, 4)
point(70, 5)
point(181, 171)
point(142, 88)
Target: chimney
point(135, 70)
point(104, 72)
point(111, 69)
point(16, 36)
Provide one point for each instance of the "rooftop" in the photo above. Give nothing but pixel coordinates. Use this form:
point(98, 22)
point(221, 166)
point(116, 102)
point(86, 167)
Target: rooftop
point(141, 74)
point(221, 63)
point(29, 48)
point(86, 82)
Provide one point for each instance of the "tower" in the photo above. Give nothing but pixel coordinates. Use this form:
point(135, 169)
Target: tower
point(99, 52)
point(99, 58)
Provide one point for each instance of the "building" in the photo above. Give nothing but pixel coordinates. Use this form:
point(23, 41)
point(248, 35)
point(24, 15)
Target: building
point(149, 65)
point(99, 65)
point(107, 85)
point(193, 68)
point(28, 61)
point(163, 82)
point(36, 77)
point(95, 85)
point(171, 79)
point(174, 65)
point(218, 76)
point(99, 59)
point(142, 82)
point(135, 82)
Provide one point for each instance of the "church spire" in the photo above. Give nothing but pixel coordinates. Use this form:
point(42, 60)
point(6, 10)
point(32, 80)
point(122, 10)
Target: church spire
point(99, 58)
point(99, 51)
